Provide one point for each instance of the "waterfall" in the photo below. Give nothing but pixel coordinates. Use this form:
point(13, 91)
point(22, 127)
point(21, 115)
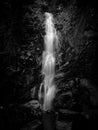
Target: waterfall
point(48, 66)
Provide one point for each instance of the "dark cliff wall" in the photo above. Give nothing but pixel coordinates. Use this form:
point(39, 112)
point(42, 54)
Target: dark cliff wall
point(21, 47)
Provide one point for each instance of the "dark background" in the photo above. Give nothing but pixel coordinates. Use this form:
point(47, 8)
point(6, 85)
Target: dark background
point(20, 70)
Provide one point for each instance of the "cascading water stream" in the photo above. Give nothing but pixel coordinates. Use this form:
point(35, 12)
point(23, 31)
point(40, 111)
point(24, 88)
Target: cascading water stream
point(48, 67)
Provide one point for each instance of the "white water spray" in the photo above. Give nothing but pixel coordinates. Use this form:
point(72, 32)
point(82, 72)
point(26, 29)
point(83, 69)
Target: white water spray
point(48, 66)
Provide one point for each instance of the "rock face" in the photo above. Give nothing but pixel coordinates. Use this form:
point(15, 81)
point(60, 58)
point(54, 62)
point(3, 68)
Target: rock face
point(22, 43)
